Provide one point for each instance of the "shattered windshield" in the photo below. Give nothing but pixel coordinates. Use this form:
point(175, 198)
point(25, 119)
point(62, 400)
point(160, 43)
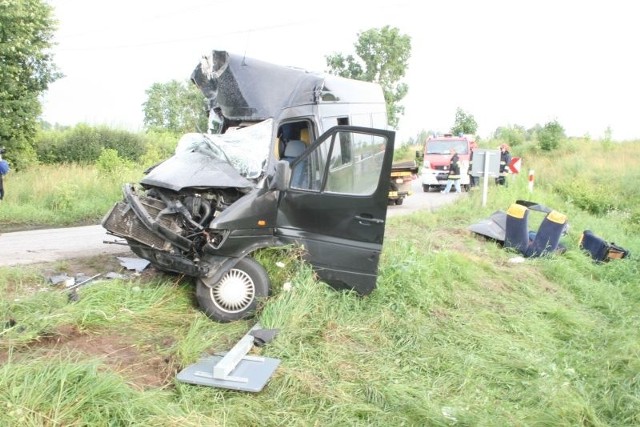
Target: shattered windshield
point(246, 149)
point(444, 147)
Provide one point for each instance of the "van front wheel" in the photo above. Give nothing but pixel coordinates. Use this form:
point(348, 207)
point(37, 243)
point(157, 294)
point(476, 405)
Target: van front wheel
point(237, 294)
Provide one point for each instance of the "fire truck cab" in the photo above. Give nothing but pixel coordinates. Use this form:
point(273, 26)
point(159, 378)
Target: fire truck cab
point(437, 156)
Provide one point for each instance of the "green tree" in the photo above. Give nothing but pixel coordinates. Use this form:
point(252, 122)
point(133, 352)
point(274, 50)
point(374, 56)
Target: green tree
point(465, 123)
point(26, 32)
point(383, 55)
point(550, 135)
point(175, 106)
point(513, 135)
point(607, 140)
point(532, 133)
point(422, 137)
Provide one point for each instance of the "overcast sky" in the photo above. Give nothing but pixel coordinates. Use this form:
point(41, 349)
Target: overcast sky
point(504, 62)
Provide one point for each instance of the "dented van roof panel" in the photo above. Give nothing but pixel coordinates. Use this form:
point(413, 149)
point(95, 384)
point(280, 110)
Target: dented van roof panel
point(242, 88)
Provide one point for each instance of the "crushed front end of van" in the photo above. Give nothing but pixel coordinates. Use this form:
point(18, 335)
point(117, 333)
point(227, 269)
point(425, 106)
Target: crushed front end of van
point(224, 195)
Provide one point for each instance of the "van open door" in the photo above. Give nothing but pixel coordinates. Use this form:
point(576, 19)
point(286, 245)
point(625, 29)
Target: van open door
point(336, 205)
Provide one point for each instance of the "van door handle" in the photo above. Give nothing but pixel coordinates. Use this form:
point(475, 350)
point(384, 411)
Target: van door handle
point(367, 220)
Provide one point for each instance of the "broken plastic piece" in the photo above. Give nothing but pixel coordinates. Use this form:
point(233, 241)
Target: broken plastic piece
point(84, 282)
point(61, 278)
point(263, 336)
point(137, 264)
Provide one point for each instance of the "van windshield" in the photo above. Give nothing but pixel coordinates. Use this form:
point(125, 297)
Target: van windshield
point(444, 147)
point(246, 149)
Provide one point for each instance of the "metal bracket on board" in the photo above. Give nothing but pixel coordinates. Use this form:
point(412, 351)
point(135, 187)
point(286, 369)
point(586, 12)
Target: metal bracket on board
point(235, 369)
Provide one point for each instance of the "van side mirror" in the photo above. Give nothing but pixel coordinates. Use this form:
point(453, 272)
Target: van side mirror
point(282, 176)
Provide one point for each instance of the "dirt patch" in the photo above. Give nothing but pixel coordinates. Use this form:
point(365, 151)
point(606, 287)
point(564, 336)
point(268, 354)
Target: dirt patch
point(439, 313)
point(140, 364)
point(495, 286)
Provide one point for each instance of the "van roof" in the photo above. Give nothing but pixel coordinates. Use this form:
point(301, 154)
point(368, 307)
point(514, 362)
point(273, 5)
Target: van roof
point(249, 89)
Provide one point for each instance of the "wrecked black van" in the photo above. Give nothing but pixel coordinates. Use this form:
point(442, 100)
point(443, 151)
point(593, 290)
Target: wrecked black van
point(292, 157)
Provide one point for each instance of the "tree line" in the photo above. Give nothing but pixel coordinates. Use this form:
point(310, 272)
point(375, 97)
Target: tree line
point(175, 107)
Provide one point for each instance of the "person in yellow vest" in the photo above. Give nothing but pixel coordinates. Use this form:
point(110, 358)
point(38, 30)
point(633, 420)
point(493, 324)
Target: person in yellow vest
point(454, 173)
point(505, 159)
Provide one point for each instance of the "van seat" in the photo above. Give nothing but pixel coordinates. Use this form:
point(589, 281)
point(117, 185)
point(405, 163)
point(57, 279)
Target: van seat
point(293, 149)
point(304, 135)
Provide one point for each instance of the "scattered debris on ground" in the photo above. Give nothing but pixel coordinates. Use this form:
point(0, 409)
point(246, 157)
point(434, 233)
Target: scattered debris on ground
point(62, 280)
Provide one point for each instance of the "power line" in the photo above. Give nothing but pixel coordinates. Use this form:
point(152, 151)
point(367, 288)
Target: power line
point(179, 40)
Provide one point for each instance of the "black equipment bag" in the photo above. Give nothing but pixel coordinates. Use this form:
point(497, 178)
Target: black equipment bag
point(599, 249)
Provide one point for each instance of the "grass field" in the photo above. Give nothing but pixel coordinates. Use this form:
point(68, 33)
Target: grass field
point(455, 334)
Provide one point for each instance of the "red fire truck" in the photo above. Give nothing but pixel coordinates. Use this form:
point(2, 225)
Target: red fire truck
point(437, 155)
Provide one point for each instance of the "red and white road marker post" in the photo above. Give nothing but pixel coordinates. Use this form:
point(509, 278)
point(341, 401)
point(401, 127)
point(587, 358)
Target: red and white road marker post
point(531, 177)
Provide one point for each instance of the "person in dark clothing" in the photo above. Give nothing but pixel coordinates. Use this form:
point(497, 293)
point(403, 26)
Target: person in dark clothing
point(454, 173)
point(473, 180)
point(505, 159)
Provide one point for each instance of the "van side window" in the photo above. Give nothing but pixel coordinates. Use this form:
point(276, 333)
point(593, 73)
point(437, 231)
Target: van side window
point(331, 121)
point(354, 171)
point(292, 131)
point(307, 173)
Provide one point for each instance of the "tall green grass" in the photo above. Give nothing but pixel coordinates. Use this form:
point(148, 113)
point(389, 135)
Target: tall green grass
point(60, 195)
point(594, 177)
point(455, 334)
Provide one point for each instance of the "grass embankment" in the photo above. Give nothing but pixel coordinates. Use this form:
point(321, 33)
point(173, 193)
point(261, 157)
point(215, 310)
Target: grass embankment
point(454, 334)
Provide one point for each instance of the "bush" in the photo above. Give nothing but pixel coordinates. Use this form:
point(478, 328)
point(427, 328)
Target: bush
point(550, 135)
point(511, 135)
point(63, 198)
point(406, 152)
point(110, 164)
point(84, 144)
point(80, 145)
point(129, 145)
point(588, 196)
point(47, 146)
point(159, 146)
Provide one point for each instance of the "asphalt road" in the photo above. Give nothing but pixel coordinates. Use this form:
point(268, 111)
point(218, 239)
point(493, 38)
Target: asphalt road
point(49, 245)
point(420, 200)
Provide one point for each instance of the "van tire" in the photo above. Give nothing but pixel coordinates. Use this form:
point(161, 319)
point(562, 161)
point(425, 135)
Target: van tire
point(237, 294)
